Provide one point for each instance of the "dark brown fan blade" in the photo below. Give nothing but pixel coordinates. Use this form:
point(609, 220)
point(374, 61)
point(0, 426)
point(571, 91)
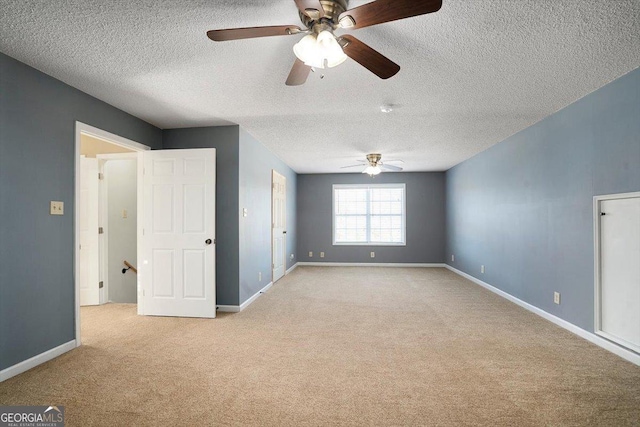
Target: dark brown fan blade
point(299, 73)
point(252, 32)
point(369, 58)
point(312, 8)
point(381, 11)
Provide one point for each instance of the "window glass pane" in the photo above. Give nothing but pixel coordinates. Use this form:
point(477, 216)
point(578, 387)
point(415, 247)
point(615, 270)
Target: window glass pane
point(369, 214)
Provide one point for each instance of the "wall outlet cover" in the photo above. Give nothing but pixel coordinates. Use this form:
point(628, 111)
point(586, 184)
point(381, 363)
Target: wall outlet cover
point(56, 208)
point(321, 254)
point(310, 254)
point(556, 298)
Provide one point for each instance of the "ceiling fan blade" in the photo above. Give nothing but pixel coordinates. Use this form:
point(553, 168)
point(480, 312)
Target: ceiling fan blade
point(312, 8)
point(369, 58)
point(390, 167)
point(299, 73)
point(252, 32)
point(380, 11)
point(354, 166)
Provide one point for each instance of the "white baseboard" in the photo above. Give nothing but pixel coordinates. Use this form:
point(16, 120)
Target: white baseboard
point(41, 358)
point(589, 336)
point(369, 264)
point(239, 308)
point(293, 267)
point(228, 308)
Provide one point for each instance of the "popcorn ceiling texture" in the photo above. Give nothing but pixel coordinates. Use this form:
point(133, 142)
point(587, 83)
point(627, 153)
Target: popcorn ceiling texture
point(472, 74)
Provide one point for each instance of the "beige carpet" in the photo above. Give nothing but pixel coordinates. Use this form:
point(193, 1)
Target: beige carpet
point(338, 346)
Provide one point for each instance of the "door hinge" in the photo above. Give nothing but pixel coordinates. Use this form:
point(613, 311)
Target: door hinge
point(100, 175)
point(100, 230)
point(101, 285)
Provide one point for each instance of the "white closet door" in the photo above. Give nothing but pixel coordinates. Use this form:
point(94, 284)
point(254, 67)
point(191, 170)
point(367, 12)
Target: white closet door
point(89, 238)
point(177, 262)
point(620, 271)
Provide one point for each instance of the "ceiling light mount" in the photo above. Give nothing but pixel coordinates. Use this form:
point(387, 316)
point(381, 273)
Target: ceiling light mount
point(386, 108)
point(332, 11)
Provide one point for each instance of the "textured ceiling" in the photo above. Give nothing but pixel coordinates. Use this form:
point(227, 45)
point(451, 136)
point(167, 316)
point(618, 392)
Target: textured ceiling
point(472, 74)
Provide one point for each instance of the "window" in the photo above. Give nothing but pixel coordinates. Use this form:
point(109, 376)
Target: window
point(369, 214)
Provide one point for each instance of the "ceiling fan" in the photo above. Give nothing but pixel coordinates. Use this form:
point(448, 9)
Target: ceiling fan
point(320, 48)
point(374, 165)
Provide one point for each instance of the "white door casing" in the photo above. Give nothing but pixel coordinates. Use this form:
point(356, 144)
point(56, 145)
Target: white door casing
point(618, 293)
point(279, 224)
point(176, 260)
point(89, 279)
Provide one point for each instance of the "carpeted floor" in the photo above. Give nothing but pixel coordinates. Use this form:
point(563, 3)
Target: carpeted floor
point(338, 346)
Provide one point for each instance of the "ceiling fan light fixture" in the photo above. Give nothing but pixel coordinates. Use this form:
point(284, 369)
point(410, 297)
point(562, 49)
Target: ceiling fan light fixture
point(372, 170)
point(320, 51)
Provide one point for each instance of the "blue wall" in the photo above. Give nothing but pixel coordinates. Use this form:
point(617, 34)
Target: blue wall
point(425, 192)
point(225, 140)
point(523, 208)
point(37, 139)
point(256, 164)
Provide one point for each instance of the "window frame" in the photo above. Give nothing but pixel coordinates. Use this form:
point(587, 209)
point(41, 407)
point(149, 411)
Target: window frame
point(335, 187)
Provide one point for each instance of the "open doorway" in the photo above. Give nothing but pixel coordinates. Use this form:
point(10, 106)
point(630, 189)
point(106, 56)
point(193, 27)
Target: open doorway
point(106, 229)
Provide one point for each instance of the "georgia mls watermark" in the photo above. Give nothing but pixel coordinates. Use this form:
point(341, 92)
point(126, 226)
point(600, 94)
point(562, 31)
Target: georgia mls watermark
point(31, 416)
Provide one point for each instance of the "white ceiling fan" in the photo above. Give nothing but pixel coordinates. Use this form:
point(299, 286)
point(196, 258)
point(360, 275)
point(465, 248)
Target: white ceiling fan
point(374, 165)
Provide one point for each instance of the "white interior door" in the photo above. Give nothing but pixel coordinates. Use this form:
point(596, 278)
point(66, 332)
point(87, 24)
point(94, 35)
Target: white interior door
point(89, 238)
point(279, 223)
point(177, 248)
point(620, 271)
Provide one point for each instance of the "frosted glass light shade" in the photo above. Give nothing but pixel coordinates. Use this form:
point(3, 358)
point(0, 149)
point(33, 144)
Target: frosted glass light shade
point(372, 170)
point(320, 51)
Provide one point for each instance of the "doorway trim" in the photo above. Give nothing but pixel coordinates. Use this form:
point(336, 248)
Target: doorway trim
point(80, 129)
point(597, 280)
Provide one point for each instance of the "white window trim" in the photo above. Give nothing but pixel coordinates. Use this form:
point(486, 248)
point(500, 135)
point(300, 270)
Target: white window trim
point(367, 186)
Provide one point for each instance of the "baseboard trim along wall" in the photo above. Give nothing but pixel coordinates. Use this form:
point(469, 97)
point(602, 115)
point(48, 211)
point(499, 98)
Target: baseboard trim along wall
point(591, 337)
point(370, 264)
point(293, 267)
point(41, 358)
point(239, 308)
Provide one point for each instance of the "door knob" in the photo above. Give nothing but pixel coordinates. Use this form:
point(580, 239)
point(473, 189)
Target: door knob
point(208, 241)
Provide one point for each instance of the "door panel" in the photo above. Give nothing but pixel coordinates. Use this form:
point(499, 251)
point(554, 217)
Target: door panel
point(89, 238)
point(279, 220)
point(177, 273)
point(620, 270)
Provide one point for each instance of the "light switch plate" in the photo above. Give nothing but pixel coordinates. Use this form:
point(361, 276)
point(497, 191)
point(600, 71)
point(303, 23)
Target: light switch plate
point(56, 208)
point(245, 212)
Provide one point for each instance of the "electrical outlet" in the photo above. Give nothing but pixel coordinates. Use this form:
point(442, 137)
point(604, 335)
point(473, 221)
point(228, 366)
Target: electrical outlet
point(373, 254)
point(260, 276)
point(245, 212)
point(556, 297)
point(310, 254)
point(321, 254)
point(453, 258)
point(56, 208)
point(482, 269)
point(124, 213)
point(291, 257)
